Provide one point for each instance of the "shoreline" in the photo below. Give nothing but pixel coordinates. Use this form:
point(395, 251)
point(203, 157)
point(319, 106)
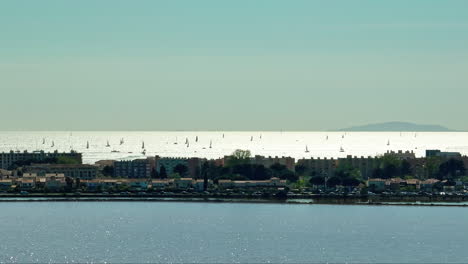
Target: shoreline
point(297, 201)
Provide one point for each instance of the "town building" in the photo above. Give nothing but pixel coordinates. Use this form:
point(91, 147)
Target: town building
point(366, 165)
point(442, 154)
point(319, 167)
point(7, 159)
point(193, 165)
point(134, 169)
point(82, 171)
point(407, 155)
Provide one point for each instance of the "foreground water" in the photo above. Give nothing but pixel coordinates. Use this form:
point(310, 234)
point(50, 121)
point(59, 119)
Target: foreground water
point(172, 144)
point(214, 232)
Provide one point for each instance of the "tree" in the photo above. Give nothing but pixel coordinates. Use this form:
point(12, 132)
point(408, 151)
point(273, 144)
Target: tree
point(351, 182)
point(289, 175)
point(162, 172)
point(451, 169)
point(239, 156)
point(154, 173)
point(69, 183)
point(277, 169)
point(108, 171)
point(333, 181)
point(181, 169)
point(260, 172)
point(390, 171)
point(300, 169)
point(406, 168)
point(317, 180)
point(204, 173)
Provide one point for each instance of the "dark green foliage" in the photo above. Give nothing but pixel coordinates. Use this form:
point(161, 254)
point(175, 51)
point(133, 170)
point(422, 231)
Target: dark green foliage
point(300, 169)
point(451, 169)
point(154, 173)
point(108, 171)
point(406, 168)
point(162, 172)
point(333, 181)
point(181, 169)
point(353, 182)
point(69, 184)
point(317, 180)
point(252, 171)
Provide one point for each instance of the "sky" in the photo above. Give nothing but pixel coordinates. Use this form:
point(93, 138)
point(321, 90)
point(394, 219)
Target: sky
point(231, 65)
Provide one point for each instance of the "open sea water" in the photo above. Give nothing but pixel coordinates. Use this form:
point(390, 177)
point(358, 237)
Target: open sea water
point(173, 144)
point(177, 232)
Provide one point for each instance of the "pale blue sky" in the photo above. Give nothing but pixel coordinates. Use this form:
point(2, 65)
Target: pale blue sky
point(231, 65)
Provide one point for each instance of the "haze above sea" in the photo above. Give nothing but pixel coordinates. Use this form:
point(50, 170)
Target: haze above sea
point(174, 144)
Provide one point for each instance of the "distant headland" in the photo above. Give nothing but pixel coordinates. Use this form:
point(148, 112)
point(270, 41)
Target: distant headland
point(398, 126)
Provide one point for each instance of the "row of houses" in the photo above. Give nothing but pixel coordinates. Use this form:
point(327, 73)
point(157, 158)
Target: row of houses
point(397, 183)
point(51, 181)
point(271, 183)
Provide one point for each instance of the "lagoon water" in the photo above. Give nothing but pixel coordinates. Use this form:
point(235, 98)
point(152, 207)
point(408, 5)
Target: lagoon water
point(172, 144)
point(139, 232)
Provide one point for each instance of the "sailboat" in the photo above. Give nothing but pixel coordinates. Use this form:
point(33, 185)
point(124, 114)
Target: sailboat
point(251, 138)
point(53, 144)
point(260, 136)
point(87, 144)
point(307, 149)
point(175, 143)
point(388, 143)
point(341, 149)
point(143, 152)
point(121, 141)
point(143, 145)
point(186, 141)
point(43, 141)
point(211, 143)
point(327, 137)
point(196, 139)
point(107, 145)
point(342, 136)
point(223, 135)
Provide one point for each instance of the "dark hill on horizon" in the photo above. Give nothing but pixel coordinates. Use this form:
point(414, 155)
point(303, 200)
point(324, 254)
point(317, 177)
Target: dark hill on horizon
point(398, 126)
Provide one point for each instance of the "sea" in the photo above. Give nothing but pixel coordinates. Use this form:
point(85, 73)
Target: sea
point(122, 145)
point(178, 232)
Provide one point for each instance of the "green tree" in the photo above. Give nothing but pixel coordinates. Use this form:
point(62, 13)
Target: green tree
point(69, 184)
point(154, 173)
point(300, 169)
point(204, 173)
point(239, 156)
point(162, 172)
point(317, 180)
point(406, 168)
point(181, 169)
point(451, 169)
point(333, 181)
point(108, 171)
